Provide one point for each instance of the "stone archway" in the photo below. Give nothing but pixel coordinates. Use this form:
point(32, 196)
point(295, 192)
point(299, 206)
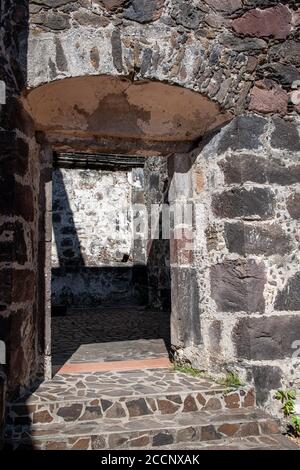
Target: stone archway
point(113, 115)
point(98, 113)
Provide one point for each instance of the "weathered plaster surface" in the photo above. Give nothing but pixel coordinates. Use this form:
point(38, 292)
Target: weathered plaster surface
point(92, 107)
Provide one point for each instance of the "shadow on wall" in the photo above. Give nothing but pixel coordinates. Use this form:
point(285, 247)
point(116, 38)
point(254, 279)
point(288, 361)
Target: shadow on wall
point(15, 127)
point(85, 295)
point(75, 283)
point(99, 271)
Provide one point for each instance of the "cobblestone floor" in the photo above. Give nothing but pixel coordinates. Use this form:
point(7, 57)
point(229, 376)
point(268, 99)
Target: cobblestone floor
point(109, 334)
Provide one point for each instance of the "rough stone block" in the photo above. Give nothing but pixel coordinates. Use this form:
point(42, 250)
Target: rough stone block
point(286, 74)
point(266, 338)
point(226, 6)
point(286, 135)
point(238, 286)
point(187, 14)
point(266, 378)
point(112, 4)
point(266, 239)
point(271, 99)
point(242, 133)
point(239, 169)
point(246, 44)
point(54, 20)
point(289, 297)
point(275, 22)
point(287, 52)
point(185, 316)
point(240, 202)
point(143, 11)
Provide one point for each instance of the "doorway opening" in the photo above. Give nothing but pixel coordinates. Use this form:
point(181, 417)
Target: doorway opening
point(110, 266)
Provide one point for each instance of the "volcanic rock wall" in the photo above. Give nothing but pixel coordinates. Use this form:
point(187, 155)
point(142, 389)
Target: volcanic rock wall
point(97, 258)
point(240, 54)
point(21, 277)
point(241, 266)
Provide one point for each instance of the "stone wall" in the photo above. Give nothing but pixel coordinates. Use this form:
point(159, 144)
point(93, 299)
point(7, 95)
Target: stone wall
point(21, 320)
point(96, 257)
point(92, 222)
point(243, 266)
point(240, 54)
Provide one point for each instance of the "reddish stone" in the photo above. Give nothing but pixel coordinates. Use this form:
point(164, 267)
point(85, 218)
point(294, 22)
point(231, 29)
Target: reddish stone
point(55, 445)
point(201, 399)
point(229, 429)
point(270, 426)
point(232, 400)
point(275, 22)
point(94, 402)
point(181, 247)
point(167, 407)
point(81, 444)
point(249, 399)
point(199, 181)
point(42, 417)
point(141, 441)
point(268, 99)
point(189, 404)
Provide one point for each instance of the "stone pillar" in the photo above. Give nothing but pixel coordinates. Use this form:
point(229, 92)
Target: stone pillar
point(185, 311)
point(249, 261)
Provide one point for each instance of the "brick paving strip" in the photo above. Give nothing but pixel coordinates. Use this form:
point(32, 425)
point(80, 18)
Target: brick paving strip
point(159, 363)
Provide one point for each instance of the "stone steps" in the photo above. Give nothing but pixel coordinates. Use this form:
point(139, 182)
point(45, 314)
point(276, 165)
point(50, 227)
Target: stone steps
point(149, 432)
point(123, 395)
point(269, 442)
point(144, 409)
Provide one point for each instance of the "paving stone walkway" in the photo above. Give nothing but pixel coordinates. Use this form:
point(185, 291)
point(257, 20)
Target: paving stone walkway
point(147, 408)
